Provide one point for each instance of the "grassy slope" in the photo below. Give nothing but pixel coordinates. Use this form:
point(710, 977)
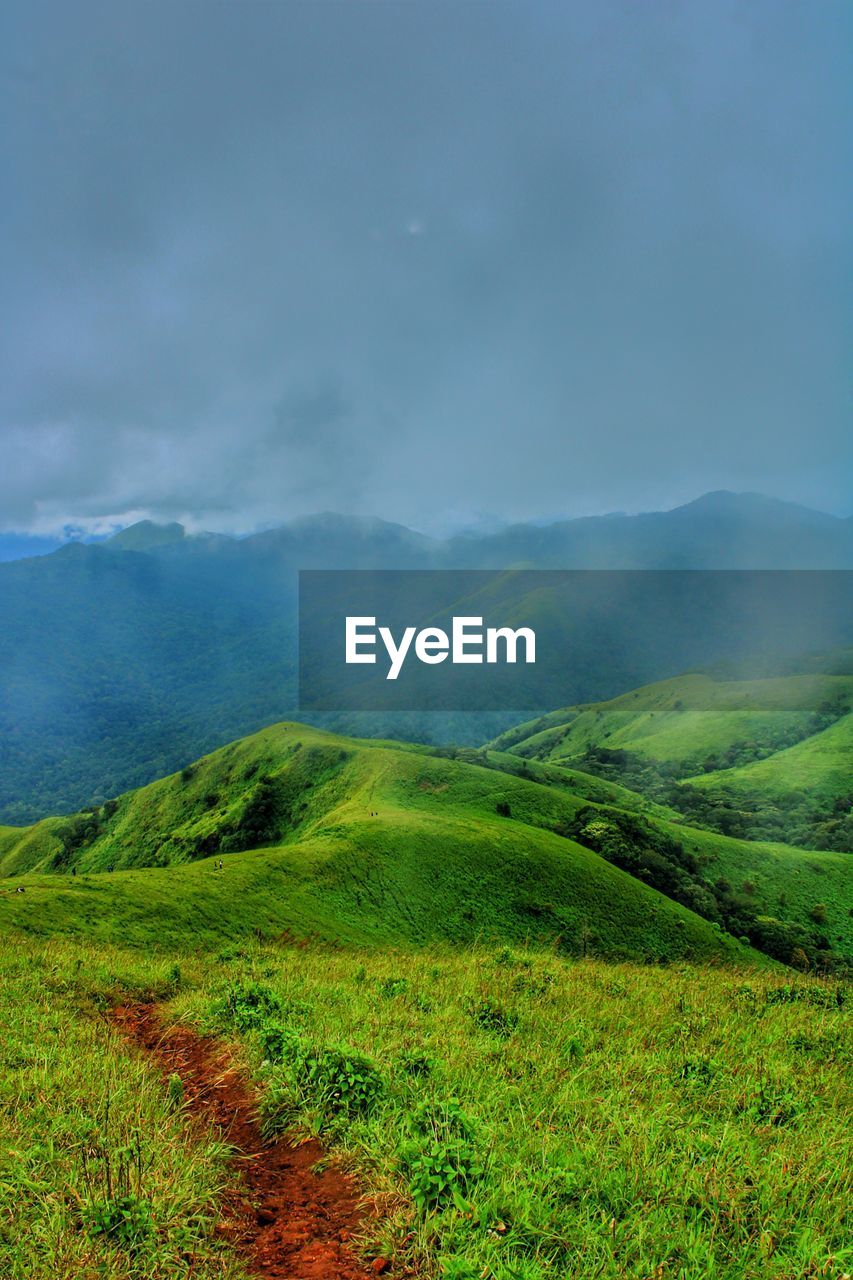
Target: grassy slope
point(783, 881)
point(379, 844)
point(682, 719)
point(72, 1100)
point(626, 1121)
point(629, 1118)
point(679, 721)
point(821, 765)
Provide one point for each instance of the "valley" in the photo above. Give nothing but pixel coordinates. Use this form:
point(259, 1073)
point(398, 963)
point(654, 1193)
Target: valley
point(571, 1002)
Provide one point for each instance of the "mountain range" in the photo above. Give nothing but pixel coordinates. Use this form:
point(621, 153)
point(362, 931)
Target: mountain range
point(123, 659)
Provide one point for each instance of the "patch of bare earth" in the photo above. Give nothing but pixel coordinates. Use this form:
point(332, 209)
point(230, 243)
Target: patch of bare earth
point(287, 1220)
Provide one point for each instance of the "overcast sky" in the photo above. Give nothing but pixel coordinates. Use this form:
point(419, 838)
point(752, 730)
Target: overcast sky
point(435, 262)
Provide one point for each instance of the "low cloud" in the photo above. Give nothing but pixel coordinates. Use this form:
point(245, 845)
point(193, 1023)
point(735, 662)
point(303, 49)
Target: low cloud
point(420, 261)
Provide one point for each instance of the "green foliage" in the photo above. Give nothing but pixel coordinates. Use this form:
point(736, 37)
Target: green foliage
point(98, 1173)
point(440, 1160)
point(596, 1121)
point(581, 1144)
point(329, 1080)
point(248, 1005)
point(491, 1017)
point(125, 1220)
point(176, 1090)
point(757, 759)
point(440, 1173)
point(383, 843)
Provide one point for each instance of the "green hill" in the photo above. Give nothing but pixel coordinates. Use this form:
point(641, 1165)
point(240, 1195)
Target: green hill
point(121, 660)
point(342, 839)
point(767, 759)
point(820, 767)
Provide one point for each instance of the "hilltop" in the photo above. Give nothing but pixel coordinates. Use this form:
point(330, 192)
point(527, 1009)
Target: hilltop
point(366, 840)
point(769, 758)
point(344, 839)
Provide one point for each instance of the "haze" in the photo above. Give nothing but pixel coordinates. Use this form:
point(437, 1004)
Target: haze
point(440, 263)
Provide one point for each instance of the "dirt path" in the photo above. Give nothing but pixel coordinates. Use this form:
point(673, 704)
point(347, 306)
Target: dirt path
point(285, 1220)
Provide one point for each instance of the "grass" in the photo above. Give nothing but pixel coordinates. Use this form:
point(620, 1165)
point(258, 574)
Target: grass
point(521, 1116)
point(766, 760)
point(540, 1067)
point(685, 719)
point(367, 842)
point(821, 765)
point(98, 1176)
point(781, 881)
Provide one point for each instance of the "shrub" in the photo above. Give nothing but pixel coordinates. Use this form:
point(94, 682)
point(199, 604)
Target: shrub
point(341, 1080)
point(114, 1205)
point(489, 1016)
point(440, 1159)
point(391, 987)
point(332, 1080)
point(247, 1005)
point(698, 1070)
point(278, 1041)
point(126, 1220)
point(414, 1063)
point(774, 1104)
point(440, 1174)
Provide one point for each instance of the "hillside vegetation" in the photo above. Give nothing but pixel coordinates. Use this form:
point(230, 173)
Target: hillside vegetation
point(341, 839)
point(514, 1114)
point(365, 840)
point(767, 759)
point(121, 661)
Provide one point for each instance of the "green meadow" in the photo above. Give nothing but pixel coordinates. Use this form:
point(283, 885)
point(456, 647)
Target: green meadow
point(767, 759)
point(517, 1114)
point(556, 1026)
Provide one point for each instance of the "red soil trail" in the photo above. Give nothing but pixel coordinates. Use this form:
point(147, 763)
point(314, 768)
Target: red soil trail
point(285, 1220)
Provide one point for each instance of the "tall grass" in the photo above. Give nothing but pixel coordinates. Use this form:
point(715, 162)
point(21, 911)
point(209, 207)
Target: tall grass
point(577, 1119)
point(99, 1176)
point(515, 1115)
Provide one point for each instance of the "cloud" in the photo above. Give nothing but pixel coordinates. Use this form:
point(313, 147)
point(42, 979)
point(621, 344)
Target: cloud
point(420, 261)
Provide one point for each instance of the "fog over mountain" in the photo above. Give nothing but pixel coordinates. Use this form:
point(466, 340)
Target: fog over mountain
point(441, 263)
point(121, 661)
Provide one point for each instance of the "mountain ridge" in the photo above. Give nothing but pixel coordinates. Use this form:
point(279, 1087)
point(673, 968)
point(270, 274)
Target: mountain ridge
point(742, 507)
point(122, 659)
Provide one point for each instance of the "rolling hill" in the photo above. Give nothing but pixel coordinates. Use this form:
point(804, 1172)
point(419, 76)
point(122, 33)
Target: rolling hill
point(366, 840)
point(770, 758)
point(363, 842)
point(122, 660)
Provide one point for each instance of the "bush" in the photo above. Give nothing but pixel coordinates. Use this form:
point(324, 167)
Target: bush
point(440, 1174)
point(489, 1016)
point(414, 1063)
point(247, 1005)
point(441, 1159)
point(278, 1042)
point(332, 1080)
point(125, 1220)
point(774, 1104)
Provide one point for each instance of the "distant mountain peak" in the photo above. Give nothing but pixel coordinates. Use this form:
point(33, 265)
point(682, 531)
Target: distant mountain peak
point(145, 535)
point(727, 502)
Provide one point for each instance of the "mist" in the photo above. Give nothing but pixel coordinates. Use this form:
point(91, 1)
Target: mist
point(448, 264)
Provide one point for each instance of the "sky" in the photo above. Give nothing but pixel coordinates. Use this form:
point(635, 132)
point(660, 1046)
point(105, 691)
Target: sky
point(443, 263)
